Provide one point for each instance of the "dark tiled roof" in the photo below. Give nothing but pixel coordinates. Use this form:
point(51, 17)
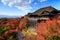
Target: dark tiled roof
point(38, 12)
point(46, 11)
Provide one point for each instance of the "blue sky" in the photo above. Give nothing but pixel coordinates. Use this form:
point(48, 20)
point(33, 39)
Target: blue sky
point(22, 7)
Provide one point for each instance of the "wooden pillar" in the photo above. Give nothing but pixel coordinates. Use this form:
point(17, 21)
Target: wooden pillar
point(20, 35)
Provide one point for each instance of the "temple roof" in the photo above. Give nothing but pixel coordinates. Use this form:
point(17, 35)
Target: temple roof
point(45, 11)
point(39, 11)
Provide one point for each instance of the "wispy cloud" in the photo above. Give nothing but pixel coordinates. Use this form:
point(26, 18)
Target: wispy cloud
point(43, 0)
point(23, 5)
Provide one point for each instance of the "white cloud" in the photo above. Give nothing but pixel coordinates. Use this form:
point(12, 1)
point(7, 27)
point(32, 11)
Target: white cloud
point(43, 0)
point(23, 5)
point(35, 3)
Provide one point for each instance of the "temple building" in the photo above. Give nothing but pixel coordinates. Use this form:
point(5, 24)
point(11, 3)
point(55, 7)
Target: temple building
point(43, 14)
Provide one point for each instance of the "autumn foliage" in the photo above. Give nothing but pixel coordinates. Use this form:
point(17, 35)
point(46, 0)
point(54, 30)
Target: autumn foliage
point(8, 28)
point(45, 30)
point(49, 30)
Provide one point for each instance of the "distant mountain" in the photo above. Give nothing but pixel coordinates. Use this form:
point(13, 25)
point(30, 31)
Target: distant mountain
point(6, 16)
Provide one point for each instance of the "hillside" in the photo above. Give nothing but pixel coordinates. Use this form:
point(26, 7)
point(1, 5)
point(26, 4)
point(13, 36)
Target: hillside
point(43, 24)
